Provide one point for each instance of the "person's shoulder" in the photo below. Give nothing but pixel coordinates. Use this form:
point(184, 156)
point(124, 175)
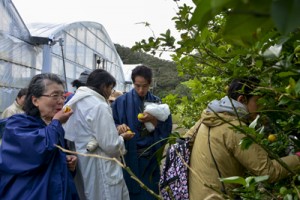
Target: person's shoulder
point(154, 98)
point(69, 97)
point(19, 119)
point(123, 97)
point(21, 116)
point(10, 107)
point(9, 111)
point(101, 105)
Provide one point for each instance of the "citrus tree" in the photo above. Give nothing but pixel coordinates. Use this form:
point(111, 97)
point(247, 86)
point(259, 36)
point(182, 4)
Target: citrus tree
point(224, 39)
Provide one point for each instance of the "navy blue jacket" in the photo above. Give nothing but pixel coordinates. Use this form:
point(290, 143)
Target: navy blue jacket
point(31, 167)
point(125, 110)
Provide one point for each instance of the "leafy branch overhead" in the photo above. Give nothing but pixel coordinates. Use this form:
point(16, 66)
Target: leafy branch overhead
point(222, 40)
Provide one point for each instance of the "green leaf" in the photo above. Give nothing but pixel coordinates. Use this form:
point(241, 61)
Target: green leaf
point(286, 15)
point(288, 197)
point(252, 180)
point(261, 178)
point(207, 9)
point(244, 29)
point(234, 179)
point(245, 143)
point(283, 190)
point(249, 180)
point(297, 87)
point(292, 82)
point(246, 21)
point(284, 100)
point(259, 63)
point(286, 74)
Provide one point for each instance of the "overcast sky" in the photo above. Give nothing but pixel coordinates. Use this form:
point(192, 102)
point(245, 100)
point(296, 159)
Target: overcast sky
point(119, 17)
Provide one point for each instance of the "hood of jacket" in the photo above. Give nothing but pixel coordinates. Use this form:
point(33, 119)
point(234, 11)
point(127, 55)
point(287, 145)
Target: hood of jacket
point(84, 92)
point(222, 111)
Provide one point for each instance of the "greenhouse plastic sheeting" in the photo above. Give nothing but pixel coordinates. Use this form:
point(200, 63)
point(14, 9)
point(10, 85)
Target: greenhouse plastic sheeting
point(64, 49)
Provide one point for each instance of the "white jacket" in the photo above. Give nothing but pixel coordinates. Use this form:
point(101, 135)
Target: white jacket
point(92, 118)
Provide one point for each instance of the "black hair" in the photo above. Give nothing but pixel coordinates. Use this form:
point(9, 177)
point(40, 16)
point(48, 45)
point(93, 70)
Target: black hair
point(99, 79)
point(242, 86)
point(36, 88)
point(142, 71)
point(77, 84)
point(81, 81)
point(22, 92)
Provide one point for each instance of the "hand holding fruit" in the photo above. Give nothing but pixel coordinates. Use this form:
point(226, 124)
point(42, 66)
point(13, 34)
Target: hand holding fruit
point(140, 116)
point(122, 128)
point(67, 109)
point(128, 134)
point(146, 117)
point(64, 114)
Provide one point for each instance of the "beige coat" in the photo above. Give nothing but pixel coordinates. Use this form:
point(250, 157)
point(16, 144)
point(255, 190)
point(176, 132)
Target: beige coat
point(231, 160)
point(14, 108)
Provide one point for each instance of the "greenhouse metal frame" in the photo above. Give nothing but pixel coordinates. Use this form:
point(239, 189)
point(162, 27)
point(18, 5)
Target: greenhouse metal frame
point(64, 49)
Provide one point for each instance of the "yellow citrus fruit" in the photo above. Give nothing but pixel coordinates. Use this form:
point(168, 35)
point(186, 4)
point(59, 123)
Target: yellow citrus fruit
point(140, 115)
point(130, 132)
point(272, 138)
point(67, 109)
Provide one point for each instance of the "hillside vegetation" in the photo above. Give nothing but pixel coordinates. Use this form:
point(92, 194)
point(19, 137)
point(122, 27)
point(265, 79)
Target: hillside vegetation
point(166, 79)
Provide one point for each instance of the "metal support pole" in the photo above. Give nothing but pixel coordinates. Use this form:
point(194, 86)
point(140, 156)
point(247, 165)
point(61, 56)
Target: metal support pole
point(61, 43)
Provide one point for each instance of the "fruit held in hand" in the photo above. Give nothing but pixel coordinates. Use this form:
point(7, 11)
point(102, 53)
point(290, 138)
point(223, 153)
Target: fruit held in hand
point(67, 109)
point(140, 115)
point(130, 132)
point(272, 138)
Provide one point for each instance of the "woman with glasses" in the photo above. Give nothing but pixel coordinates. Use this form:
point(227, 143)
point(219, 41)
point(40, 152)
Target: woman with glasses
point(92, 120)
point(31, 166)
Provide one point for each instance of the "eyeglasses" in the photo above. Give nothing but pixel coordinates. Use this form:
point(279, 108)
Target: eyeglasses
point(55, 97)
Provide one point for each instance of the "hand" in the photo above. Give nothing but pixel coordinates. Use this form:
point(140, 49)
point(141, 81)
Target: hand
point(127, 135)
point(63, 116)
point(148, 118)
point(71, 162)
point(122, 128)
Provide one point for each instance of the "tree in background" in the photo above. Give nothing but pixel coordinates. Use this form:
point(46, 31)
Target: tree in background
point(222, 40)
point(165, 73)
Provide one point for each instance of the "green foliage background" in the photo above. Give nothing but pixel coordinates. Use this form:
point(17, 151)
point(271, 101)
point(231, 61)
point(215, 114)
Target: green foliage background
point(222, 40)
point(164, 71)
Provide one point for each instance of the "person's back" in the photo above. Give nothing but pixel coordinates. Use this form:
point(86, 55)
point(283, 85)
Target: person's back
point(217, 152)
point(223, 142)
point(92, 120)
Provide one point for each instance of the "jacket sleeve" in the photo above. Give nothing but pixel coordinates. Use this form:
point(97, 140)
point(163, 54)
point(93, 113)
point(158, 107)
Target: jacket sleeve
point(257, 161)
point(105, 131)
point(29, 148)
